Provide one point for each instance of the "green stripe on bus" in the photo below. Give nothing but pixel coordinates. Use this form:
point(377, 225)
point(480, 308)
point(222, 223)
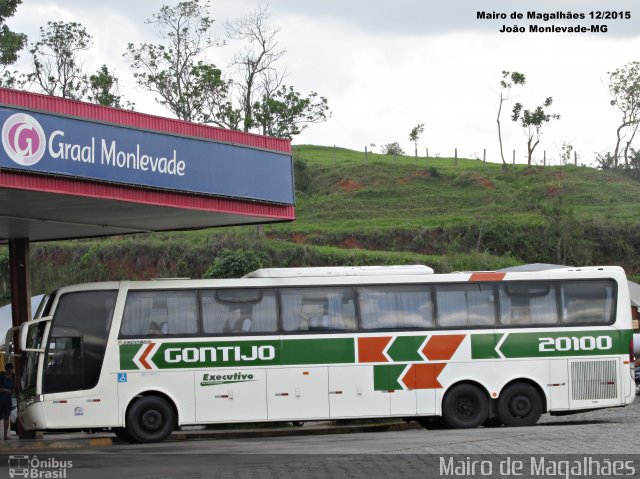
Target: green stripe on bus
point(217, 354)
point(387, 377)
point(405, 348)
point(562, 343)
point(127, 352)
point(549, 344)
point(287, 352)
point(171, 355)
point(626, 336)
point(318, 351)
point(483, 346)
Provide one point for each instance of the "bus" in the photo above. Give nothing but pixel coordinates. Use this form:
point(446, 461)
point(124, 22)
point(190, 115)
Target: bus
point(144, 358)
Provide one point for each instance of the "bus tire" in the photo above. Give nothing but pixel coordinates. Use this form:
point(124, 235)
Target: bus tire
point(520, 404)
point(150, 419)
point(465, 406)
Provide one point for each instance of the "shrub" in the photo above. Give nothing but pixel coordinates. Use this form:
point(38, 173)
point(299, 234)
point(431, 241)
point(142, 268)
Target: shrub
point(235, 263)
point(302, 175)
point(392, 149)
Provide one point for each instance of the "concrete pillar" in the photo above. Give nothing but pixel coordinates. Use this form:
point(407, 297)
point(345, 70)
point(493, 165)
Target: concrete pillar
point(20, 302)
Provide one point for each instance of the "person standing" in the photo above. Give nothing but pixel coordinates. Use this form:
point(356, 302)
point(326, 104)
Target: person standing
point(7, 385)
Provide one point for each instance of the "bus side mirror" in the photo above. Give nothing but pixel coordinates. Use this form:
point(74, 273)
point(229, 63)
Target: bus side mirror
point(26, 330)
point(9, 347)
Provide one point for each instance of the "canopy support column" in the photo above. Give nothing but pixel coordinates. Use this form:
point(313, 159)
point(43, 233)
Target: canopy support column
point(19, 273)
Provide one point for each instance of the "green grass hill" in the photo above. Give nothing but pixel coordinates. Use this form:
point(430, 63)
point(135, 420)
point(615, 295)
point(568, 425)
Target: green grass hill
point(450, 214)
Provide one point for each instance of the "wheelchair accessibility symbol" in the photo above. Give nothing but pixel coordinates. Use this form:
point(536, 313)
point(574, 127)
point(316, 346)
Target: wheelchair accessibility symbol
point(122, 377)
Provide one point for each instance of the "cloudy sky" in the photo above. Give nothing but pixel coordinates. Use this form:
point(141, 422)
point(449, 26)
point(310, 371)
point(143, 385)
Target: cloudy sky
point(387, 66)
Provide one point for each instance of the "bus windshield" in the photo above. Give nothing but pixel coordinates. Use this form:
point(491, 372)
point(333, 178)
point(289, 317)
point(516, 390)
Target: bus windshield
point(78, 340)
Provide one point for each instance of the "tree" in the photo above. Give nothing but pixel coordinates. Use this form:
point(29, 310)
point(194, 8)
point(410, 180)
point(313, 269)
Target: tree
point(564, 234)
point(508, 80)
point(10, 42)
point(633, 169)
point(176, 69)
point(57, 67)
point(194, 89)
point(257, 98)
point(566, 150)
point(392, 149)
point(104, 89)
point(415, 136)
point(287, 113)
point(533, 121)
point(624, 87)
point(255, 62)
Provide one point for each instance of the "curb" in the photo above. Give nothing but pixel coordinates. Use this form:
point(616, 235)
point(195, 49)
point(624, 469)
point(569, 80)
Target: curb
point(39, 444)
point(300, 431)
point(54, 443)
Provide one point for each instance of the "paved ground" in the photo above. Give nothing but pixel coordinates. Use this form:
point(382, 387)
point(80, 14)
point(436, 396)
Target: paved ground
point(601, 437)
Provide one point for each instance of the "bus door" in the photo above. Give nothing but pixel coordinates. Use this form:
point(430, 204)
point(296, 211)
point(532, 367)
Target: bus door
point(63, 372)
point(75, 391)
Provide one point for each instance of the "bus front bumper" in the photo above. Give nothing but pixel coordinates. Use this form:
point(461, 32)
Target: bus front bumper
point(30, 413)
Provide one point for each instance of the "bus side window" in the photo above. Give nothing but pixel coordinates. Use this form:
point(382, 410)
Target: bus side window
point(391, 307)
point(158, 312)
point(587, 302)
point(528, 303)
point(306, 309)
point(239, 311)
point(466, 305)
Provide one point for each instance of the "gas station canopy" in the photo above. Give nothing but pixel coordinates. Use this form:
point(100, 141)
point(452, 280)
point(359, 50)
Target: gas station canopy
point(71, 170)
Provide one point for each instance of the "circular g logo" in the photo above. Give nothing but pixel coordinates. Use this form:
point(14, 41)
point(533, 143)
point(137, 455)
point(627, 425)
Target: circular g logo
point(23, 139)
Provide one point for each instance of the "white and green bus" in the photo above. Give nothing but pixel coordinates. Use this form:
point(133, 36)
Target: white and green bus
point(302, 344)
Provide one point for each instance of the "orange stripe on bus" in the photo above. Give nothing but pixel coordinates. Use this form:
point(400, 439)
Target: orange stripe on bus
point(423, 376)
point(442, 347)
point(143, 357)
point(370, 349)
point(487, 276)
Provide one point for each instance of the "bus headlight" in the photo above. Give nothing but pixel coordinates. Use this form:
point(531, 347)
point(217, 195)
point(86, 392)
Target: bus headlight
point(31, 400)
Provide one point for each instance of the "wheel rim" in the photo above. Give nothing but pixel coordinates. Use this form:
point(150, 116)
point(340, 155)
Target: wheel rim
point(466, 407)
point(152, 420)
point(520, 406)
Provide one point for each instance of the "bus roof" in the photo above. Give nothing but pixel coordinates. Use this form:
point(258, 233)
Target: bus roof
point(332, 271)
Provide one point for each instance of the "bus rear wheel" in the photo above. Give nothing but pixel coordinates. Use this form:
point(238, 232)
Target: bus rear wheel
point(150, 419)
point(465, 406)
point(520, 404)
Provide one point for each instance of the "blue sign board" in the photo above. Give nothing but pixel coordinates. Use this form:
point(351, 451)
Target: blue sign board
point(122, 377)
point(43, 143)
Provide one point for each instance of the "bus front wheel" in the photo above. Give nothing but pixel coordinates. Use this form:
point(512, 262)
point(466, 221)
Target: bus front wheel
point(150, 419)
point(520, 404)
point(465, 406)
